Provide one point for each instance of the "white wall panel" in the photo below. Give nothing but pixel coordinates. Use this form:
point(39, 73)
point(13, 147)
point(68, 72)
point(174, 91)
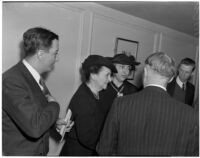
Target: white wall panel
point(18, 17)
point(178, 49)
point(105, 32)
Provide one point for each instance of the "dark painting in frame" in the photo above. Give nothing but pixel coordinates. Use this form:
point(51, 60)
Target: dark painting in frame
point(126, 46)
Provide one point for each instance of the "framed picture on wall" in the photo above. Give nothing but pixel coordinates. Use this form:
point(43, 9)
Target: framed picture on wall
point(127, 47)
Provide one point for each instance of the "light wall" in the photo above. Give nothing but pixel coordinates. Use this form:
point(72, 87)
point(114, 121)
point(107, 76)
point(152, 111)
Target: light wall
point(85, 28)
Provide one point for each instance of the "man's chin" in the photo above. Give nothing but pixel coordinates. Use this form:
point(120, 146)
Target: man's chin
point(123, 79)
point(105, 87)
point(51, 68)
point(183, 80)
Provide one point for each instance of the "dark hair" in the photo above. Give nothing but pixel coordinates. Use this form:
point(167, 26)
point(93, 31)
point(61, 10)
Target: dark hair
point(87, 71)
point(187, 61)
point(162, 64)
point(37, 38)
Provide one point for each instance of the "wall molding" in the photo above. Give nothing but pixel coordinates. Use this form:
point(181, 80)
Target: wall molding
point(78, 53)
point(123, 23)
point(91, 32)
point(132, 20)
point(66, 6)
point(78, 60)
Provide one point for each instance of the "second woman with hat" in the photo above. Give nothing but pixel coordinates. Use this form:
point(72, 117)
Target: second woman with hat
point(119, 85)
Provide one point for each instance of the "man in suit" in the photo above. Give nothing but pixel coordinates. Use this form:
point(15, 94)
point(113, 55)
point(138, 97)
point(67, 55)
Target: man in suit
point(29, 110)
point(150, 122)
point(180, 88)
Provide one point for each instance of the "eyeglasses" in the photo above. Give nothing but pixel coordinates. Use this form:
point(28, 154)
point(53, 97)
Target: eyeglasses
point(126, 67)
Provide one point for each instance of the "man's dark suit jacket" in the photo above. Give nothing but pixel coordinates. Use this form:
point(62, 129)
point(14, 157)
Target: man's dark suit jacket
point(149, 122)
point(190, 89)
point(26, 114)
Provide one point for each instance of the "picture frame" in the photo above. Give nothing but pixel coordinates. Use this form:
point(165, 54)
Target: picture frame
point(128, 47)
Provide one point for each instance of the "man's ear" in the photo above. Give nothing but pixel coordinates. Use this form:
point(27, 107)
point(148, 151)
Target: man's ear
point(40, 54)
point(145, 69)
point(92, 76)
point(193, 72)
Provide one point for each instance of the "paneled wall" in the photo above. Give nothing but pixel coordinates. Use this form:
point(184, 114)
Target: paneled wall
point(105, 32)
point(178, 48)
point(66, 22)
point(107, 24)
point(85, 28)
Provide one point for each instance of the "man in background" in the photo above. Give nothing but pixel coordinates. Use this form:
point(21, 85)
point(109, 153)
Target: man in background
point(28, 108)
point(180, 88)
point(150, 122)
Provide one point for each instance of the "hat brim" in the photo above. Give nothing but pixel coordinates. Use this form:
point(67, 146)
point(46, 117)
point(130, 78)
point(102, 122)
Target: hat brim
point(136, 63)
point(126, 62)
point(108, 63)
point(111, 67)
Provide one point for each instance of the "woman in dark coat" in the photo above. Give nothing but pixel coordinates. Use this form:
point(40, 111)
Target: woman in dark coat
point(119, 86)
point(87, 112)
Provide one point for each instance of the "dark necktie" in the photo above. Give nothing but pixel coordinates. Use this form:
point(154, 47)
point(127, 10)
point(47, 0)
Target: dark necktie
point(183, 87)
point(45, 89)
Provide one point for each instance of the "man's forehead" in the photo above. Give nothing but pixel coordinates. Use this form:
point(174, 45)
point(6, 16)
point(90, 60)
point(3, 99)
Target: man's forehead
point(186, 67)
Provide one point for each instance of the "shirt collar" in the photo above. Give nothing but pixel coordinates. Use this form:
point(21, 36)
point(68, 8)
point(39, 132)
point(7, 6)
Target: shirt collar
point(156, 85)
point(179, 82)
point(33, 72)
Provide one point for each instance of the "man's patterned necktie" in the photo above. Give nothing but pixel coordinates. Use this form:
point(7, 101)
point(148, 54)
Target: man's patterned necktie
point(45, 89)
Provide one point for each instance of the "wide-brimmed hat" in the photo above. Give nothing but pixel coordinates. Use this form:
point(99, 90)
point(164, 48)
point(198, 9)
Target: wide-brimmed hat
point(125, 60)
point(93, 60)
point(134, 62)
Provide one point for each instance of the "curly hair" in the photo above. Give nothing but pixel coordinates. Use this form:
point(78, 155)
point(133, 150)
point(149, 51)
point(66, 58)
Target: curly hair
point(162, 64)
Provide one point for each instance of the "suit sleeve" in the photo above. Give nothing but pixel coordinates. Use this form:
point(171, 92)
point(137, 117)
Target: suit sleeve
point(26, 111)
point(191, 97)
point(107, 144)
point(170, 87)
point(193, 140)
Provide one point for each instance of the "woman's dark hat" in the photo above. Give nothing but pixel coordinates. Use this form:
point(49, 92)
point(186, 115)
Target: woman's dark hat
point(134, 62)
point(93, 60)
point(125, 60)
